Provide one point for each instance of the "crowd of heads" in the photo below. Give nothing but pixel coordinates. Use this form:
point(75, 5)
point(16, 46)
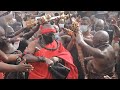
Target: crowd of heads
point(89, 23)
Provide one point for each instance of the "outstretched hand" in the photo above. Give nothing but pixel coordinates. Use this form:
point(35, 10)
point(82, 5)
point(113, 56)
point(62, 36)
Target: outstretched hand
point(115, 26)
point(113, 21)
point(24, 67)
point(14, 39)
point(79, 37)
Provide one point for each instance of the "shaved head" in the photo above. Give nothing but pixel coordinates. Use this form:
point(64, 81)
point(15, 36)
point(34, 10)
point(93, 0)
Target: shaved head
point(100, 21)
point(101, 37)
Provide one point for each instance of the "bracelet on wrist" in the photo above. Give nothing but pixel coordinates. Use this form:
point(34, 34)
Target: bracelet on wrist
point(41, 59)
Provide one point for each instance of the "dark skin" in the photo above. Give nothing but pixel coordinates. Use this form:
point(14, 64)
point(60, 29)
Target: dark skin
point(71, 43)
point(99, 25)
point(31, 49)
point(31, 33)
point(25, 36)
point(104, 56)
point(116, 29)
point(88, 37)
point(4, 67)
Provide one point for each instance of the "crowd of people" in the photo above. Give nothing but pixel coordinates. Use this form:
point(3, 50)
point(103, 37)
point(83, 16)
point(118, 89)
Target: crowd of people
point(64, 45)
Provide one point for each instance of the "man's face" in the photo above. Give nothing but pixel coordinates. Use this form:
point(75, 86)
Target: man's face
point(48, 38)
point(84, 27)
point(98, 27)
point(84, 22)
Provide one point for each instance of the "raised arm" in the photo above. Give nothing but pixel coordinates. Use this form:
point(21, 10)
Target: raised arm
point(93, 51)
point(31, 33)
point(72, 42)
point(88, 41)
point(117, 30)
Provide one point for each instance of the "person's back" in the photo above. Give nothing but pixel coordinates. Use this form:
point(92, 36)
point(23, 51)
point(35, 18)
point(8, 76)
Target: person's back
point(103, 61)
point(104, 64)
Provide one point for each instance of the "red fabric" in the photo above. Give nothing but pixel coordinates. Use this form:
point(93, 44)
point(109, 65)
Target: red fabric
point(41, 69)
point(46, 30)
point(1, 73)
point(41, 26)
point(1, 76)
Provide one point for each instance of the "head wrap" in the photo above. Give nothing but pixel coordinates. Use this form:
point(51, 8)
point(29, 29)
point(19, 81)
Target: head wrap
point(47, 30)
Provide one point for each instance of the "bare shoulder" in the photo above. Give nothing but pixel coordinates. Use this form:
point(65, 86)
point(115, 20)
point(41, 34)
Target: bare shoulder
point(31, 47)
point(110, 49)
point(109, 52)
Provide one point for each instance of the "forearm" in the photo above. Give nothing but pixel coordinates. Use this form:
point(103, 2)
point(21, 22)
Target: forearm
point(31, 58)
point(36, 28)
point(93, 51)
point(28, 35)
point(3, 56)
point(12, 57)
point(70, 45)
point(7, 67)
point(31, 33)
point(19, 31)
point(117, 30)
point(89, 41)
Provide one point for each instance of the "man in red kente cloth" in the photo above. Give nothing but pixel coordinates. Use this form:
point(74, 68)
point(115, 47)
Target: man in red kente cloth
point(46, 51)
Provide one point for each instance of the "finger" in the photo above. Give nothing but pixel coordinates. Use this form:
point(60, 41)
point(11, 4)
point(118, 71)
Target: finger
point(28, 66)
point(24, 61)
point(26, 70)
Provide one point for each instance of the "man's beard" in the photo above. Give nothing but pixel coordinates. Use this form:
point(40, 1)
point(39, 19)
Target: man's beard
point(48, 38)
point(3, 45)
